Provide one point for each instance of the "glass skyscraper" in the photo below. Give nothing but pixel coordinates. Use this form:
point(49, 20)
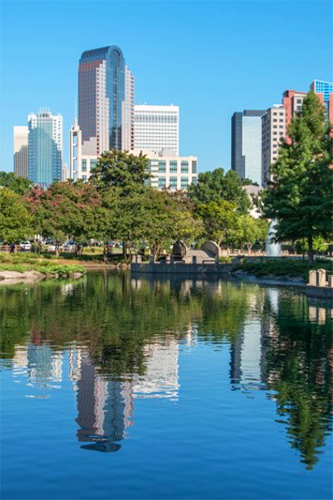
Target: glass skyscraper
point(246, 144)
point(106, 101)
point(325, 92)
point(45, 148)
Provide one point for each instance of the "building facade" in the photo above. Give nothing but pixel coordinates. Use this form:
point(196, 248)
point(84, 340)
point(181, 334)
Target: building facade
point(325, 92)
point(246, 144)
point(106, 101)
point(273, 131)
point(292, 102)
point(45, 148)
point(156, 128)
point(21, 151)
point(170, 171)
point(80, 165)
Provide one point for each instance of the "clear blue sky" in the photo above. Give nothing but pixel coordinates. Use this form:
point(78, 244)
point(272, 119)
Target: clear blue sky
point(210, 58)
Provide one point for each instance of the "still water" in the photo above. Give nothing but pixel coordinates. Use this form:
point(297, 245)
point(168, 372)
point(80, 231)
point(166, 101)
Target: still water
point(121, 388)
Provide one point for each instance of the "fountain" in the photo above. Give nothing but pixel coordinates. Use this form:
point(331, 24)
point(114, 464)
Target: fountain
point(273, 249)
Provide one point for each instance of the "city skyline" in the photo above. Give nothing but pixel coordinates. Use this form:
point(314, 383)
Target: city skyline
point(164, 75)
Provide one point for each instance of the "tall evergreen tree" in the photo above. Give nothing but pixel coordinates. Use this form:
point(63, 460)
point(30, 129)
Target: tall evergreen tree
point(299, 196)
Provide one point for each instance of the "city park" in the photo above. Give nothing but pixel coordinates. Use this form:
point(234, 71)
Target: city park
point(117, 204)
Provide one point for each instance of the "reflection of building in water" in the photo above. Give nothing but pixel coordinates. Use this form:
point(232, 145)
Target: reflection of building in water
point(44, 364)
point(160, 379)
point(104, 409)
point(248, 351)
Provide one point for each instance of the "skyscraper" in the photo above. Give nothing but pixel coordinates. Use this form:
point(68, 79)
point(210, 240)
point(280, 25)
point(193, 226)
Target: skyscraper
point(246, 147)
point(325, 92)
point(156, 128)
point(273, 131)
point(45, 148)
point(106, 101)
point(21, 151)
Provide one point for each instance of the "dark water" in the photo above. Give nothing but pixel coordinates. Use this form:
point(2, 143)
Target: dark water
point(113, 387)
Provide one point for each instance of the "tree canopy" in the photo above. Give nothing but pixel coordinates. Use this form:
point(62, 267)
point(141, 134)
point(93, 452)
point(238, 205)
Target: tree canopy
point(15, 221)
point(19, 185)
point(216, 186)
point(299, 196)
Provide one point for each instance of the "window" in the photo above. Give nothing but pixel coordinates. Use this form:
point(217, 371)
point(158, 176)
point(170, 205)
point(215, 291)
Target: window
point(84, 165)
point(161, 183)
point(184, 167)
point(84, 178)
point(173, 166)
point(194, 167)
point(184, 182)
point(173, 182)
point(162, 167)
point(93, 163)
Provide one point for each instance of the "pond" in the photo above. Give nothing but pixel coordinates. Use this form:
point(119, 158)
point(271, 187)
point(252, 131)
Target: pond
point(115, 387)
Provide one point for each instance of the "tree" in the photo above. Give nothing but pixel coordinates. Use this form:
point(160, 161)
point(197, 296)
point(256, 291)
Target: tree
point(119, 169)
point(217, 186)
point(15, 221)
point(67, 210)
point(150, 216)
point(220, 221)
point(19, 185)
point(299, 197)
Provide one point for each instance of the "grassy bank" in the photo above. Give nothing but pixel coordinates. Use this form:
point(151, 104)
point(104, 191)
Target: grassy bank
point(282, 268)
point(31, 262)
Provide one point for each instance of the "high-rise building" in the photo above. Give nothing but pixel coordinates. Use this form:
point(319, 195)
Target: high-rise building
point(273, 130)
point(106, 101)
point(170, 171)
point(325, 93)
point(45, 148)
point(292, 102)
point(246, 144)
point(21, 158)
point(156, 128)
point(80, 165)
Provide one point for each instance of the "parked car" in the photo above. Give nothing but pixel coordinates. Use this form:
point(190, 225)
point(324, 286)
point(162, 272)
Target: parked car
point(70, 246)
point(25, 245)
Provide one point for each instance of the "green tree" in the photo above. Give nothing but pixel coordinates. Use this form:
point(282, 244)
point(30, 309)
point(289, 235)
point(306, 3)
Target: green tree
point(220, 220)
point(120, 169)
point(67, 210)
point(15, 221)
point(19, 185)
point(299, 197)
point(217, 186)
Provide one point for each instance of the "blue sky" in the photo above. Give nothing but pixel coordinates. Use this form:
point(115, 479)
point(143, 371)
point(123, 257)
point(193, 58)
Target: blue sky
point(210, 58)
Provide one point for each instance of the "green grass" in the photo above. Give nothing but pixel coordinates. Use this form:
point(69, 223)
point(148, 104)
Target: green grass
point(43, 266)
point(282, 267)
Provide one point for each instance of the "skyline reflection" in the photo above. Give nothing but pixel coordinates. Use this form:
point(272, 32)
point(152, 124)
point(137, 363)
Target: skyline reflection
point(94, 335)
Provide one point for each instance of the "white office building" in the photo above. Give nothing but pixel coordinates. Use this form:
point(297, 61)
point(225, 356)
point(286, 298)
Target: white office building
point(156, 128)
point(21, 151)
point(170, 171)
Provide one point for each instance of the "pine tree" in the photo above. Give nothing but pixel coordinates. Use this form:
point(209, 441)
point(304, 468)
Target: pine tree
point(299, 196)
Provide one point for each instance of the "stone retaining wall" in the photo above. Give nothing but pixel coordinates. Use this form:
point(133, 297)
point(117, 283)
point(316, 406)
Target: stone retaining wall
point(181, 267)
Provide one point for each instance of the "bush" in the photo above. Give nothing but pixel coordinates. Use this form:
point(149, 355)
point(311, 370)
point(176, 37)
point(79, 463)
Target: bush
point(282, 267)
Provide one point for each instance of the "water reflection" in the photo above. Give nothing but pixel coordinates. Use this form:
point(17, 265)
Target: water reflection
point(119, 340)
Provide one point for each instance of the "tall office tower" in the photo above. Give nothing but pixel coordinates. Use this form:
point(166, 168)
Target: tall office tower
point(292, 102)
point(21, 158)
point(106, 101)
point(80, 165)
point(246, 147)
point(128, 112)
point(325, 92)
point(156, 128)
point(273, 130)
point(45, 148)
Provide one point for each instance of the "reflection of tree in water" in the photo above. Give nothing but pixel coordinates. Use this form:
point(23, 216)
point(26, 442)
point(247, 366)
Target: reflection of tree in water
point(299, 369)
point(114, 318)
